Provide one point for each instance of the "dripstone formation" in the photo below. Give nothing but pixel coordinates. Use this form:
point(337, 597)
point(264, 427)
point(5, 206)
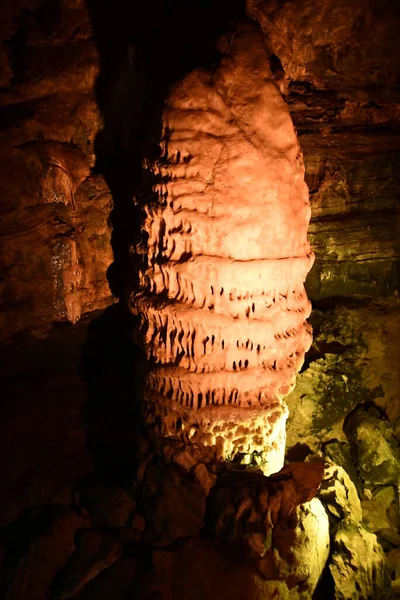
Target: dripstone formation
point(225, 255)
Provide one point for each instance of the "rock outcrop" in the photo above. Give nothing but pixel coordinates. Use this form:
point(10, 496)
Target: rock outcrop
point(54, 231)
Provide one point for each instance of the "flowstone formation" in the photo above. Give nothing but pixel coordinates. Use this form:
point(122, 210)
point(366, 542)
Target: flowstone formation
point(225, 255)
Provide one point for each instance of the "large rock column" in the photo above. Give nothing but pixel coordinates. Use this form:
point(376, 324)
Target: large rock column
point(222, 302)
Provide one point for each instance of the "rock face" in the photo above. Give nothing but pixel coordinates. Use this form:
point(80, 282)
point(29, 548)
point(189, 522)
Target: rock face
point(222, 299)
point(54, 234)
point(358, 564)
point(332, 43)
point(270, 540)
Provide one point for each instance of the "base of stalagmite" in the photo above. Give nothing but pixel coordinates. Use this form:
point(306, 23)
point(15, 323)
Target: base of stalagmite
point(215, 434)
point(181, 528)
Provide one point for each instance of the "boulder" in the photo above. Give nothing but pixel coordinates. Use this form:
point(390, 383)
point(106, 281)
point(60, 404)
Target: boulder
point(357, 564)
point(173, 505)
point(95, 552)
point(377, 453)
point(381, 510)
point(46, 555)
point(339, 494)
point(110, 506)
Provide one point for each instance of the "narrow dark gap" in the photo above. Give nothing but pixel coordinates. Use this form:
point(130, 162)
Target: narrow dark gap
point(319, 350)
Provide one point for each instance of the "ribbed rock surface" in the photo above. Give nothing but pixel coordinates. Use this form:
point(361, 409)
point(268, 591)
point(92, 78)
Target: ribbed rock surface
point(222, 299)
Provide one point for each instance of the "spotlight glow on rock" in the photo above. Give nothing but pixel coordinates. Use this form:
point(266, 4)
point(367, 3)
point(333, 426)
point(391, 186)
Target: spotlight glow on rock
point(222, 301)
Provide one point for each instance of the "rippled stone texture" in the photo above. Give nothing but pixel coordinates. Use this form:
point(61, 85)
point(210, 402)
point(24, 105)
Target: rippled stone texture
point(222, 301)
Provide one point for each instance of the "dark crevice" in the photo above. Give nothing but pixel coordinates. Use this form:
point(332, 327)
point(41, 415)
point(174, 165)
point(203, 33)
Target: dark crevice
point(330, 303)
point(355, 215)
point(319, 350)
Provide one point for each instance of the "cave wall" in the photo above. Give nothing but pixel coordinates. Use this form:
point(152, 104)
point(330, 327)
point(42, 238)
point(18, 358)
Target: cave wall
point(54, 226)
point(338, 67)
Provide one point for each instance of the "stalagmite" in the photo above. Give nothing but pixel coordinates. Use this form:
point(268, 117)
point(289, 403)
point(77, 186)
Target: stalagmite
point(225, 254)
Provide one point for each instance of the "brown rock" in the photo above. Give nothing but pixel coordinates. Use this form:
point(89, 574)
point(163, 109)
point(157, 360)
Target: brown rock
point(46, 556)
point(248, 513)
point(325, 42)
point(95, 552)
point(201, 569)
point(54, 234)
point(66, 267)
point(114, 582)
point(55, 70)
point(204, 477)
point(112, 507)
point(339, 494)
point(174, 505)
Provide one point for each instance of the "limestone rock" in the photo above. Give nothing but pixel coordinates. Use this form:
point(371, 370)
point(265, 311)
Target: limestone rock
point(339, 494)
point(111, 507)
point(289, 569)
point(340, 454)
point(252, 515)
point(204, 477)
point(221, 299)
point(357, 565)
point(299, 556)
point(389, 535)
point(378, 510)
point(298, 35)
point(95, 552)
point(376, 448)
point(332, 55)
point(393, 559)
point(200, 567)
point(114, 582)
point(54, 232)
point(347, 365)
point(173, 505)
point(46, 555)
point(356, 254)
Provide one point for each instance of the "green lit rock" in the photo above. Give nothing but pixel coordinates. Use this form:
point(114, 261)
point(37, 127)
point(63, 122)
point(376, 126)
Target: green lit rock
point(358, 564)
point(340, 454)
point(354, 359)
point(339, 495)
point(375, 510)
point(375, 448)
point(390, 536)
point(393, 560)
point(356, 250)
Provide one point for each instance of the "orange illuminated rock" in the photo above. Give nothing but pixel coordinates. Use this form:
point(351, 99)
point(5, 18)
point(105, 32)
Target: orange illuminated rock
point(222, 301)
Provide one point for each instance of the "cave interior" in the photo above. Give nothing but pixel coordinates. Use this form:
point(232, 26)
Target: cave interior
point(258, 96)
